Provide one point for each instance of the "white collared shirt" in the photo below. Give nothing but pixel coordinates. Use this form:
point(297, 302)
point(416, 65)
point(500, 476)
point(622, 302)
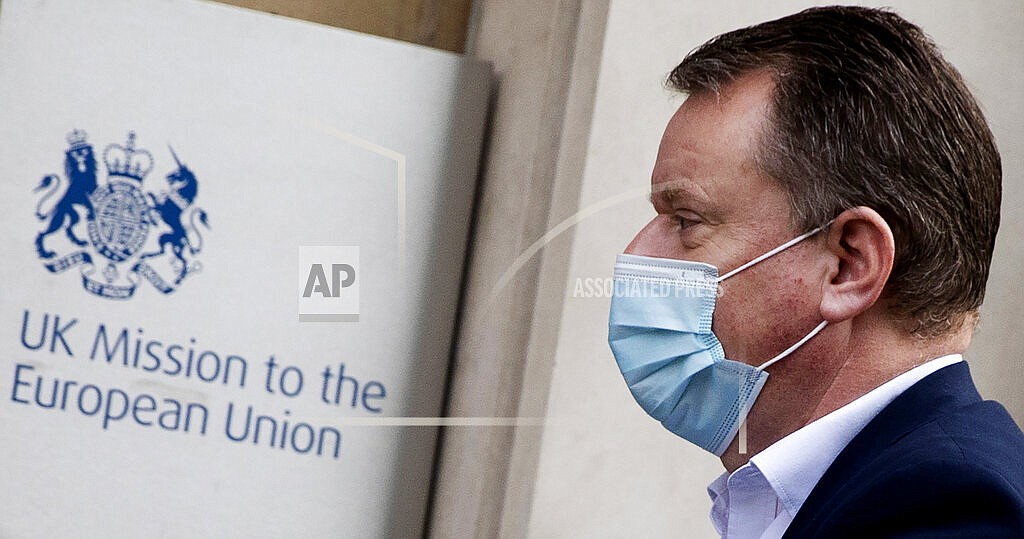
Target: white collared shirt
point(761, 497)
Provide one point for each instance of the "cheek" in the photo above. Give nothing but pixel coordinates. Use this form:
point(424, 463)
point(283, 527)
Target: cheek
point(756, 318)
point(792, 295)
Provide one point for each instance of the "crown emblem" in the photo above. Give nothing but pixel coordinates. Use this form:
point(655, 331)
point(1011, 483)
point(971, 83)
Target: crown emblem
point(127, 161)
point(76, 140)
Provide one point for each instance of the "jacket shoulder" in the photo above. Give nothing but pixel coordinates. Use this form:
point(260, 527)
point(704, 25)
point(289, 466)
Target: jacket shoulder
point(958, 475)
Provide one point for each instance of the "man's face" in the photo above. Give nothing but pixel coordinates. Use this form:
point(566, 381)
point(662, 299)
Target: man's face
point(714, 206)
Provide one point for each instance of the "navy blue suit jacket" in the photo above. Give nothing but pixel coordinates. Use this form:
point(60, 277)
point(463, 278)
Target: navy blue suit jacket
point(937, 462)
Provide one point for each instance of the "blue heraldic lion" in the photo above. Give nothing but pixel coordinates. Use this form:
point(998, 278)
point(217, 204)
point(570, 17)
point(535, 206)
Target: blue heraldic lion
point(130, 234)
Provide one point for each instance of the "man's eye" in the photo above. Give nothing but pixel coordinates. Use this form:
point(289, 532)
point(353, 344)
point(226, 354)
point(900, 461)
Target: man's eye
point(684, 222)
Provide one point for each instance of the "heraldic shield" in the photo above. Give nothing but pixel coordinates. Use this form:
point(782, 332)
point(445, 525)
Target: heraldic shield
point(120, 215)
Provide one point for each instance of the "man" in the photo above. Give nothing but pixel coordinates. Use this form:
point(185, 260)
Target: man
point(827, 202)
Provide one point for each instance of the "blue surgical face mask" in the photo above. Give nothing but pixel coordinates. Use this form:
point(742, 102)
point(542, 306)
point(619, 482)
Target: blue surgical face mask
point(659, 330)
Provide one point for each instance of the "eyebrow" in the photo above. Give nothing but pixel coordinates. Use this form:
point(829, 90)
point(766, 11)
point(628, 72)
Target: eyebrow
point(665, 195)
point(670, 191)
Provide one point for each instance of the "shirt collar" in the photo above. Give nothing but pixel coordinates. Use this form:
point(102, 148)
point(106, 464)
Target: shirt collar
point(719, 503)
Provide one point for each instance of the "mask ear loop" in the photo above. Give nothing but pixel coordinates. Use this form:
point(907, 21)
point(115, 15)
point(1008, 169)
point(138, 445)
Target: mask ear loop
point(793, 348)
point(773, 252)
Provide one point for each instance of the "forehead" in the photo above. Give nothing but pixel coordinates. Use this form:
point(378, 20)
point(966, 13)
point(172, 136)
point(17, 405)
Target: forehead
point(709, 142)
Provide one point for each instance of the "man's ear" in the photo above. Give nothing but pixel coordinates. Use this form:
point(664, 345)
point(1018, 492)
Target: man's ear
point(863, 249)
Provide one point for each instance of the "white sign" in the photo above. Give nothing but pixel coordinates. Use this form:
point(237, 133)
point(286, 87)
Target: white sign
point(232, 243)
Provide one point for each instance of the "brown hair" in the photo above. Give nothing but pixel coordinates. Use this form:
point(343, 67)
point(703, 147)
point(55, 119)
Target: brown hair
point(866, 112)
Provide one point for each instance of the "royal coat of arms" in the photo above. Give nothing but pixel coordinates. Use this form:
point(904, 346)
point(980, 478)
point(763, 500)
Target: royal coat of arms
point(119, 217)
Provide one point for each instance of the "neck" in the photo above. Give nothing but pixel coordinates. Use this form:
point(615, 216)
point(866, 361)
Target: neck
point(846, 361)
point(890, 357)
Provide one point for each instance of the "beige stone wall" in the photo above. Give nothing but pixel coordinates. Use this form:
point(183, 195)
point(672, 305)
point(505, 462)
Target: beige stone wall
point(545, 55)
point(435, 23)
